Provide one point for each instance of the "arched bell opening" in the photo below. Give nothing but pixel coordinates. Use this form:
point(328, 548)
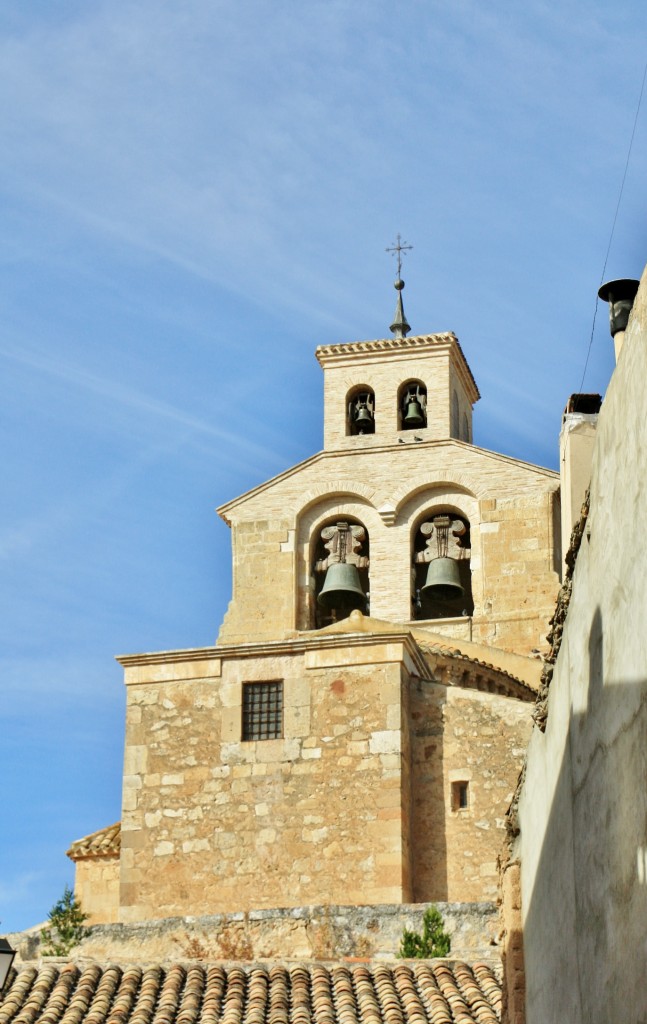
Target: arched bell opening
point(441, 575)
point(340, 571)
point(454, 430)
point(360, 411)
point(412, 405)
point(465, 430)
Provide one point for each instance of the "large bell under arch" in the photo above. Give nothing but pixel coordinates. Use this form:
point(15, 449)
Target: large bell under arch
point(340, 571)
point(441, 575)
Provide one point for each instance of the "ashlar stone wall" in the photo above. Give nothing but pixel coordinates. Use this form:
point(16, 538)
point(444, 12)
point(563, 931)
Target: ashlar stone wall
point(353, 805)
point(313, 817)
point(511, 507)
point(462, 736)
point(96, 887)
point(436, 361)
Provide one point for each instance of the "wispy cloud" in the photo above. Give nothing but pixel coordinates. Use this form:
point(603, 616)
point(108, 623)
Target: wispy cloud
point(116, 392)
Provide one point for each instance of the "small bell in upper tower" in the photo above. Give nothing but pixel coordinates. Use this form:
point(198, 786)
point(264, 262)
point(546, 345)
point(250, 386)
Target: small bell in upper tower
point(361, 413)
point(413, 407)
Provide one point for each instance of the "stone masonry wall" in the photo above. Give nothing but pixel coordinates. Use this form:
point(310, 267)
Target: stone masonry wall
point(215, 823)
point(385, 374)
point(353, 804)
point(300, 933)
point(462, 736)
point(510, 506)
point(96, 886)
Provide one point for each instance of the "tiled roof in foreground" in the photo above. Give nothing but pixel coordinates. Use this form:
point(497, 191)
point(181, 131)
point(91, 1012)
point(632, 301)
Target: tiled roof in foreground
point(415, 992)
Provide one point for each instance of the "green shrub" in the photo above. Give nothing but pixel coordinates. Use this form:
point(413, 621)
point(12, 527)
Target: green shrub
point(65, 926)
point(433, 941)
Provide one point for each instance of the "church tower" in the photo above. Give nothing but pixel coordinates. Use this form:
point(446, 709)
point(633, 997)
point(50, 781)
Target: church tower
point(355, 733)
point(436, 529)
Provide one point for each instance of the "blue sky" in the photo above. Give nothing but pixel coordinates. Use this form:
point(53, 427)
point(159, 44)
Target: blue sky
point(194, 196)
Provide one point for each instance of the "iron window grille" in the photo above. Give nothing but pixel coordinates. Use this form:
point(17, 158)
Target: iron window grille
point(262, 711)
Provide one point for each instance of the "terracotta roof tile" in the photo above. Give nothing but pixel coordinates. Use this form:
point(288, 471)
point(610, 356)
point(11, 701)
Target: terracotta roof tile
point(105, 842)
point(412, 992)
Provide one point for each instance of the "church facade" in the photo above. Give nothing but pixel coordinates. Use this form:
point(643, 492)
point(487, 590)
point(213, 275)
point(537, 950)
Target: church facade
point(355, 734)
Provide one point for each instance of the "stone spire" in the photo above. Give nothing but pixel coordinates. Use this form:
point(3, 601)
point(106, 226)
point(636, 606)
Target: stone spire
point(400, 326)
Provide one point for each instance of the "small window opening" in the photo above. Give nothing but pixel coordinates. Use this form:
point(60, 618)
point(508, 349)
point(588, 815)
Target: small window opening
point(460, 796)
point(262, 711)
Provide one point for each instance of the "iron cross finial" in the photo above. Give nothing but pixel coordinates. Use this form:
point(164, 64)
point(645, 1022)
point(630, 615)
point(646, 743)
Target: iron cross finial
point(399, 248)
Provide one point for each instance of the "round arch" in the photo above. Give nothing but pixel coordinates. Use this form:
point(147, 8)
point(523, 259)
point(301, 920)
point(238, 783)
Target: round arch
point(360, 410)
point(441, 577)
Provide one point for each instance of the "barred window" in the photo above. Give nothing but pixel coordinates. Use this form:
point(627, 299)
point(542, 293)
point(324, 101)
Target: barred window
point(262, 711)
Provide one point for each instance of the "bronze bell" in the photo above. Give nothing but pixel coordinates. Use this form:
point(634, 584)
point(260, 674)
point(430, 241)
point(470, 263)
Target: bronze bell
point(342, 589)
point(364, 420)
point(414, 416)
point(443, 580)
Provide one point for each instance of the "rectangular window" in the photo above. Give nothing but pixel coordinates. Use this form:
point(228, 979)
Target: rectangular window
point(262, 711)
point(460, 796)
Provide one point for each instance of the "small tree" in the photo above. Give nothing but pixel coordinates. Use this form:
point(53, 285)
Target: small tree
point(434, 941)
point(65, 926)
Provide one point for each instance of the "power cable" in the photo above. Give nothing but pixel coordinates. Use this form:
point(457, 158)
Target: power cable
point(613, 226)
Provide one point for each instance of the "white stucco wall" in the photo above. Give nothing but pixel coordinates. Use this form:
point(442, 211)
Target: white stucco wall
point(583, 809)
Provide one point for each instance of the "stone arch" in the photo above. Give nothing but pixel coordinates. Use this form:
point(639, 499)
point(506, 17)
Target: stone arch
point(451, 596)
point(327, 509)
point(345, 489)
point(443, 482)
point(360, 410)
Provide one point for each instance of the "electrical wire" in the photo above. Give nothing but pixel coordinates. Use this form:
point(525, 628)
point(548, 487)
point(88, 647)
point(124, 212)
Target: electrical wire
point(613, 226)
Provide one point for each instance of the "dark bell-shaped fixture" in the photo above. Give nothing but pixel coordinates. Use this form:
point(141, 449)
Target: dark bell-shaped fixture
point(342, 589)
point(620, 295)
point(414, 416)
point(362, 413)
point(364, 420)
point(443, 580)
point(412, 406)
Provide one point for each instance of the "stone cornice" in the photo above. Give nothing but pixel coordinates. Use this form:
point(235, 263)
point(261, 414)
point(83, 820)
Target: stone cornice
point(431, 662)
point(338, 355)
point(299, 644)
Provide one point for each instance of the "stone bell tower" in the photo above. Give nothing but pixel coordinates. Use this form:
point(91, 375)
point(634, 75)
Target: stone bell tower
point(355, 733)
point(400, 516)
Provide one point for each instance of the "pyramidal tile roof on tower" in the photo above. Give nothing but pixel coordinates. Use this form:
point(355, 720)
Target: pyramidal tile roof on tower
point(412, 992)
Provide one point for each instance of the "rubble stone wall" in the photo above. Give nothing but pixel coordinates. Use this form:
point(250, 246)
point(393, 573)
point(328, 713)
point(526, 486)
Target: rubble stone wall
point(308, 933)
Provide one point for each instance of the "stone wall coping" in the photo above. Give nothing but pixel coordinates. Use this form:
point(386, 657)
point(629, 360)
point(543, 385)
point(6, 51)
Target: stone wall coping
point(465, 909)
point(274, 648)
point(377, 450)
point(425, 651)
